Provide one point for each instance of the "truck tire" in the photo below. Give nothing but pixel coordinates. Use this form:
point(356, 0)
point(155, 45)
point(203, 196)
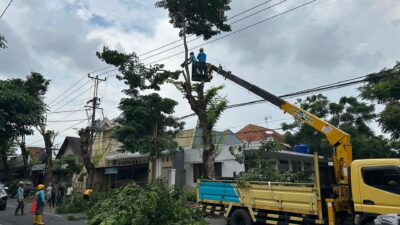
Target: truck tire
point(240, 217)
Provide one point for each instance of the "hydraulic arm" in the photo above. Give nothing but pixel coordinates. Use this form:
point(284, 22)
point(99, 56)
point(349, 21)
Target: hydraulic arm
point(340, 140)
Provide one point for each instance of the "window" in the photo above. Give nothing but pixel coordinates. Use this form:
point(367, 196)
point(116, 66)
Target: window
point(283, 165)
point(198, 171)
point(296, 166)
point(386, 178)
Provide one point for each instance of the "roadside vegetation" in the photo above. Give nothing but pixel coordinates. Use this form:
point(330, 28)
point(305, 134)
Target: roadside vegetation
point(134, 205)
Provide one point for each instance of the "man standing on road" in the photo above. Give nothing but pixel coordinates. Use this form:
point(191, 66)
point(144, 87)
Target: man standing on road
point(49, 191)
point(20, 199)
point(40, 202)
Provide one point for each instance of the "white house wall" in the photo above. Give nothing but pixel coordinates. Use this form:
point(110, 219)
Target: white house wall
point(228, 167)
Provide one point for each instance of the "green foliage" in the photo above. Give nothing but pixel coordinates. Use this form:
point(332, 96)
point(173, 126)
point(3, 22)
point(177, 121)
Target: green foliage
point(190, 194)
point(384, 88)
point(260, 168)
point(21, 105)
point(147, 124)
point(153, 205)
point(76, 203)
point(69, 164)
point(351, 116)
point(206, 17)
point(215, 105)
point(3, 42)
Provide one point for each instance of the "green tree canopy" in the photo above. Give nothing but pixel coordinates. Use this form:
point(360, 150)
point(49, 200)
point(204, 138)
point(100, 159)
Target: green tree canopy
point(349, 115)
point(203, 18)
point(146, 124)
point(21, 108)
point(384, 88)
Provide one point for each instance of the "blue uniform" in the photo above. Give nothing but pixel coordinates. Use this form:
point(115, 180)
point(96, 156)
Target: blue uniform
point(40, 201)
point(192, 58)
point(202, 57)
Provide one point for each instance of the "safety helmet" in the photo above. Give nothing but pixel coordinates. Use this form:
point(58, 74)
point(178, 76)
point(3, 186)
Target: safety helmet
point(201, 49)
point(40, 187)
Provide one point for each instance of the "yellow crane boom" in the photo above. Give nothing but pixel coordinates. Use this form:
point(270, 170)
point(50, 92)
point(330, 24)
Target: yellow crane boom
point(340, 140)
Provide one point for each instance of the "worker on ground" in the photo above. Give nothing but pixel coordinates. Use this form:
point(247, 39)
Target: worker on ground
point(20, 198)
point(202, 57)
point(88, 193)
point(40, 202)
point(191, 59)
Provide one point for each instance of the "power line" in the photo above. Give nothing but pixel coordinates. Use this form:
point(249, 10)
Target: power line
point(66, 111)
point(176, 41)
point(241, 13)
point(66, 91)
point(4, 11)
point(59, 132)
point(246, 17)
point(74, 84)
point(62, 121)
point(326, 87)
point(235, 32)
point(77, 96)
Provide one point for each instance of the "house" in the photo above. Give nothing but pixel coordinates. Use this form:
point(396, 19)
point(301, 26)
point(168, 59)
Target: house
point(225, 165)
point(289, 160)
point(37, 156)
point(115, 168)
point(71, 147)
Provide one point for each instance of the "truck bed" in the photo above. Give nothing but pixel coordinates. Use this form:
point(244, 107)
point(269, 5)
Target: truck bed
point(285, 197)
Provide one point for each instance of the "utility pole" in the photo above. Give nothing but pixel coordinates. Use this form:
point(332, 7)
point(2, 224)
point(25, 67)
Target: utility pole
point(95, 103)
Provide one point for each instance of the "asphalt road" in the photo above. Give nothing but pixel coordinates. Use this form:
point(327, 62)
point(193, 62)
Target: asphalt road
point(50, 218)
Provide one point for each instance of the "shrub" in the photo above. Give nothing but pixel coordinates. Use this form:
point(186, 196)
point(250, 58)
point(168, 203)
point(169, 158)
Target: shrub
point(153, 205)
point(190, 194)
point(76, 203)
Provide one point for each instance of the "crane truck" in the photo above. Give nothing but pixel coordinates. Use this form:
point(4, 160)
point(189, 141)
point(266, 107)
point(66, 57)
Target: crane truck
point(360, 190)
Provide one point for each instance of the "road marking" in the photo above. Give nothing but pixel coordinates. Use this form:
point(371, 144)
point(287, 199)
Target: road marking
point(47, 213)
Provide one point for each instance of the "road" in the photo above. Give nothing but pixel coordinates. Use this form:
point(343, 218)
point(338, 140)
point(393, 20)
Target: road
point(50, 218)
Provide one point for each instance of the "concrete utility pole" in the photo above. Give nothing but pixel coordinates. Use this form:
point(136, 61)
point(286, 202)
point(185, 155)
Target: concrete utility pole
point(95, 104)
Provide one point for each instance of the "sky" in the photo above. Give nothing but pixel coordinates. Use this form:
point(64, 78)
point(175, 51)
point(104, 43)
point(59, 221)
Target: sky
point(323, 42)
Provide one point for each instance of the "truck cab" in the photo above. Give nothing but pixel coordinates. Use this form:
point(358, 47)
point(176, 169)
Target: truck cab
point(375, 186)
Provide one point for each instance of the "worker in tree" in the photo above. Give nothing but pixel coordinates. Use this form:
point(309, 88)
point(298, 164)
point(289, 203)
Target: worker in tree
point(40, 202)
point(191, 59)
point(202, 56)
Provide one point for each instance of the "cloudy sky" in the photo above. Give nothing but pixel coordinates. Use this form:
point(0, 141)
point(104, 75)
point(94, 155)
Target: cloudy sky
point(323, 42)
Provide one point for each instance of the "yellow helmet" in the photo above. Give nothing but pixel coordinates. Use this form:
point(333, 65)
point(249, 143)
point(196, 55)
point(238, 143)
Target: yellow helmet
point(40, 187)
point(201, 49)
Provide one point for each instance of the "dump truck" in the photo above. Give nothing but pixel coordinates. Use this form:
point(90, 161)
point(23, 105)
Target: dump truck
point(351, 192)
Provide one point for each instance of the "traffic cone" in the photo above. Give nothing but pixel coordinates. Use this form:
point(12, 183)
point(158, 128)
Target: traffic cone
point(33, 208)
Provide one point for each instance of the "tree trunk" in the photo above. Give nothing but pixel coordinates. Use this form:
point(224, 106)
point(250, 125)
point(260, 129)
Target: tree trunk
point(85, 138)
point(199, 107)
point(49, 159)
point(24, 153)
point(208, 153)
point(6, 166)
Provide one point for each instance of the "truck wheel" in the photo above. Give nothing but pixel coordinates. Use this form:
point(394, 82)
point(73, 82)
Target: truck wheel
point(240, 217)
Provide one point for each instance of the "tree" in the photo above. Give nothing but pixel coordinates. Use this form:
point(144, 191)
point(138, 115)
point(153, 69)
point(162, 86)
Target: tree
point(202, 18)
point(3, 42)
point(147, 124)
point(84, 135)
point(349, 115)
point(260, 168)
point(48, 137)
point(21, 107)
point(384, 88)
